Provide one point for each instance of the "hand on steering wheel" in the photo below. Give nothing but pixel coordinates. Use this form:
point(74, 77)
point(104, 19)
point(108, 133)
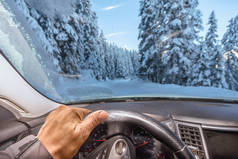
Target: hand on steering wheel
point(65, 130)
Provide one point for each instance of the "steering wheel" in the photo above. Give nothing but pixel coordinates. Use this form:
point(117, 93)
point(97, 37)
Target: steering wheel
point(118, 146)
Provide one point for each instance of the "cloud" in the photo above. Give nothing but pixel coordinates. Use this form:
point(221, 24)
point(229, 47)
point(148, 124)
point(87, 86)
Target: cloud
point(112, 7)
point(115, 34)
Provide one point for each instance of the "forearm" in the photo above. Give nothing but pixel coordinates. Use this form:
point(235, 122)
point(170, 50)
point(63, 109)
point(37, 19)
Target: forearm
point(28, 148)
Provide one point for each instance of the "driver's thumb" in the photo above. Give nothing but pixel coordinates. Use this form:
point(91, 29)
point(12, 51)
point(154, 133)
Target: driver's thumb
point(94, 119)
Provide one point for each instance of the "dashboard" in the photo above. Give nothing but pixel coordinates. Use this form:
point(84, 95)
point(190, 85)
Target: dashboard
point(205, 143)
point(209, 129)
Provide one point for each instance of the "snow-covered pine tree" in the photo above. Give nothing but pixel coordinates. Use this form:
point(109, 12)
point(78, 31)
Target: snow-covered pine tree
point(231, 70)
point(67, 40)
point(220, 71)
point(147, 37)
point(46, 30)
point(121, 68)
point(214, 50)
point(101, 67)
point(230, 48)
point(103, 42)
point(88, 29)
point(168, 40)
point(63, 40)
point(160, 29)
point(199, 64)
point(110, 61)
point(182, 40)
point(93, 50)
point(76, 22)
point(211, 63)
point(128, 62)
point(76, 47)
point(134, 56)
point(120, 62)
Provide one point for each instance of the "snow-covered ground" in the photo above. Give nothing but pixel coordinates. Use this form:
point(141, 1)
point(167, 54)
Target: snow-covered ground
point(85, 89)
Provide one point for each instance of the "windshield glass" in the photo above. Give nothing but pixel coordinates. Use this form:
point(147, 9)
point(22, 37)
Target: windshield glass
point(77, 50)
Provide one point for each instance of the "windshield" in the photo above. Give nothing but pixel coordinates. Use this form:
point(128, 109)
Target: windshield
point(77, 50)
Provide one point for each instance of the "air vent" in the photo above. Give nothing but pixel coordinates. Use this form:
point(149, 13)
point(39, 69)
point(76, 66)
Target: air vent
point(191, 136)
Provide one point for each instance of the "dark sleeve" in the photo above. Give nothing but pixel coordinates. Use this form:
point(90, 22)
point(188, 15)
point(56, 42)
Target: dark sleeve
point(28, 148)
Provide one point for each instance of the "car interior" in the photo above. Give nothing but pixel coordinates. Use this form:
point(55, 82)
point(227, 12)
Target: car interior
point(39, 73)
point(162, 128)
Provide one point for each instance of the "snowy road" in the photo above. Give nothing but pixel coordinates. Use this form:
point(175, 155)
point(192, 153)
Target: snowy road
point(76, 90)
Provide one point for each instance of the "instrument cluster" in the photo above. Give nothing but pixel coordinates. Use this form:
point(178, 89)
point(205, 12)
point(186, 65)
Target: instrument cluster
point(144, 143)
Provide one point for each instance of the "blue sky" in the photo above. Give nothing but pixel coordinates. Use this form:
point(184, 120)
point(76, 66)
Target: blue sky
point(119, 18)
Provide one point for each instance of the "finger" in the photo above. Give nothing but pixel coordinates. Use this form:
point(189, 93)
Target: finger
point(62, 107)
point(81, 111)
point(94, 119)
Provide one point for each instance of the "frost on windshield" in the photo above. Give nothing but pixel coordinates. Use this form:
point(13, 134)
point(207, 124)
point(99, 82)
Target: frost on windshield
point(6, 42)
point(51, 8)
point(82, 63)
point(16, 45)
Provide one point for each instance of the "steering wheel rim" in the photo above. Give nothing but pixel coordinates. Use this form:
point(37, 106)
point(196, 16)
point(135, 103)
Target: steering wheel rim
point(117, 119)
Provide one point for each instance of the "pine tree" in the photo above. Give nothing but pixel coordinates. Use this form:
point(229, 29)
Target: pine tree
point(46, 30)
point(120, 62)
point(211, 63)
point(67, 41)
point(214, 59)
point(110, 62)
point(134, 56)
point(180, 45)
point(147, 37)
point(230, 48)
point(199, 66)
point(121, 68)
point(63, 42)
point(76, 22)
point(220, 72)
point(93, 50)
point(168, 40)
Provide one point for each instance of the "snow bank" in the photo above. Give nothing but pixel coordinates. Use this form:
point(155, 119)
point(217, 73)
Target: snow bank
point(76, 90)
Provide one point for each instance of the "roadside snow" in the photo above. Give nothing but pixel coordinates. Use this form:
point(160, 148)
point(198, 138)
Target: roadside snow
point(76, 90)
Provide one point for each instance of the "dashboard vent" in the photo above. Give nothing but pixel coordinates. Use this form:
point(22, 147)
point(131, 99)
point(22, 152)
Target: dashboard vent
point(191, 136)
